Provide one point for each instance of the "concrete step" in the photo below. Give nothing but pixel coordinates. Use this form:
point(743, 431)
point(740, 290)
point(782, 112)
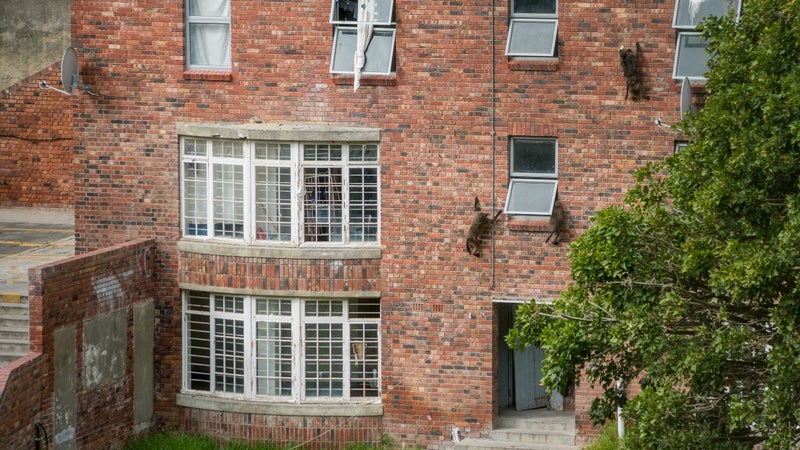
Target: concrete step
point(19, 333)
point(491, 444)
point(528, 430)
point(14, 347)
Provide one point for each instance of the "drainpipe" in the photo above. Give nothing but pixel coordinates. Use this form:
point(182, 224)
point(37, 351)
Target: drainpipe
point(620, 420)
point(492, 135)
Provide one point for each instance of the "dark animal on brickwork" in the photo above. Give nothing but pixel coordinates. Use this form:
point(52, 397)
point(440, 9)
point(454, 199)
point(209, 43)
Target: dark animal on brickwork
point(480, 224)
point(556, 223)
point(632, 73)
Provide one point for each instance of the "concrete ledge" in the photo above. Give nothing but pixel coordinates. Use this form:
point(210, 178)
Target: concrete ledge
point(214, 403)
point(279, 293)
point(253, 251)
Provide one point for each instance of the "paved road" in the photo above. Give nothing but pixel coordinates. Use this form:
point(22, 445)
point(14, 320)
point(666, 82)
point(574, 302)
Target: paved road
point(30, 238)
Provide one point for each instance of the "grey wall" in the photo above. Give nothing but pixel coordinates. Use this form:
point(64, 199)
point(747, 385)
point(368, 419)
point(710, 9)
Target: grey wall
point(33, 35)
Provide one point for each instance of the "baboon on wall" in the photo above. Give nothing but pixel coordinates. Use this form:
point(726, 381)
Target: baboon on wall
point(633, 76)
point(556, 223)
point(480, 223)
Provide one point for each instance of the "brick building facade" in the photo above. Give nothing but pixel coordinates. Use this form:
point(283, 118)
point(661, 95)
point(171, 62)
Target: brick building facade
point(313, 283)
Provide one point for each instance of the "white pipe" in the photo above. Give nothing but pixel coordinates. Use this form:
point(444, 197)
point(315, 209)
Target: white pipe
point(44, 85)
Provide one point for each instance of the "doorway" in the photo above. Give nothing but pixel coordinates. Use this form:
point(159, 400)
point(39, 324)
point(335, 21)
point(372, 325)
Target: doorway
point(519, 373)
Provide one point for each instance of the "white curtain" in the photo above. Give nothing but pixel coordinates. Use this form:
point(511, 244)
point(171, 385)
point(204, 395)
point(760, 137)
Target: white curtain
point(366, 14)
point(210, 43)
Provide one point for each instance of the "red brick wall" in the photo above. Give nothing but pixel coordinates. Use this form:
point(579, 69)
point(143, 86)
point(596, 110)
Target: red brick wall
point(444, 141)
point(36, 140)
point(65, 293)
point(306, 431)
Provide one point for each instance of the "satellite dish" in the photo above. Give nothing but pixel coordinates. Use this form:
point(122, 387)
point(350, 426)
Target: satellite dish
point(686, 98)
point(70, 75)
point(69, 70)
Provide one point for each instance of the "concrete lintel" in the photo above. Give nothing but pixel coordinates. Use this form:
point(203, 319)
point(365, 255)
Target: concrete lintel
point(280, 132)
point(251, 251)
point(279, 293)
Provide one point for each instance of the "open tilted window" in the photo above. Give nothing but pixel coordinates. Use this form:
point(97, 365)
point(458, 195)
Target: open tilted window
point(534, 177)
point(691, 50)
point(364, 37)
point(533, 28)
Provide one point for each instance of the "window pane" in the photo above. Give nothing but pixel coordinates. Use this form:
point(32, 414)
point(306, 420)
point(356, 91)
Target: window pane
point(274, 358)
point(534, 6)
point(691, 56)
point(210, 8)
point(322, 152)
point(273, 203)
point(195, 198)
point(198, 342)
point(229, 355)
point(198, 301)
point(229, 303)
point(364, 354)
point(194, 147)
point(228, 201)
point(227, 149)
point(363, 205)
point(324, 308)
point(367, 152)
point(379, 54)
point(532, 197)
point(322, 204)
point(273, 307)
point(689, 13)
point(532, 37)
point(533, 157)
point(273, 151)
point(364, 308)
point(324, 363)
point(347, 11)
point(209, 45)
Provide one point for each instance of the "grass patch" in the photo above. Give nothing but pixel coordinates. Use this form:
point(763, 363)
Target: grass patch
point(606, 441)
point(184, 441)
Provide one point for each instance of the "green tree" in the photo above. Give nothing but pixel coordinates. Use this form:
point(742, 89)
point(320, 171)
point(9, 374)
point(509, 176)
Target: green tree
point(692, 287)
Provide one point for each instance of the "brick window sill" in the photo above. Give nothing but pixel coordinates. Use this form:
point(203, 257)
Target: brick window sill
point(207, 75)
point(538, 64)
point(528, 224)
point(366, 80)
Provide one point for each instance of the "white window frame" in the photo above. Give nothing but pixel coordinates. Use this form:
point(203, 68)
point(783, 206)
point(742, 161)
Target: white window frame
point(548, 22)
point(686, 32)
point(696, 74)
point(206, 20)
point(547, 182)
point(358, 216)
point(380, 49)
point(201, 361)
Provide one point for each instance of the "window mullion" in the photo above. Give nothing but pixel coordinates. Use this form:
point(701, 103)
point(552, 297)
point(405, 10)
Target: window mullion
point(297, 195)
point(298, 352)
point(248, 194)
point(346, 355)
point(249, 348)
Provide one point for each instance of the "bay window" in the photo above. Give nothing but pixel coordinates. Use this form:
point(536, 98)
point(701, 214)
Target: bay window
point(285, 193)
point(282, 349)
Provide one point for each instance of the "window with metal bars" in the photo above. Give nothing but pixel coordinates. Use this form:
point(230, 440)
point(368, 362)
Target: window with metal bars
point(282, 349)
point(285, 193)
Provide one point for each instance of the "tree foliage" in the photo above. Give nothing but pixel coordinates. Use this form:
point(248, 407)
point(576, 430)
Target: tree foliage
point(692, 287)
